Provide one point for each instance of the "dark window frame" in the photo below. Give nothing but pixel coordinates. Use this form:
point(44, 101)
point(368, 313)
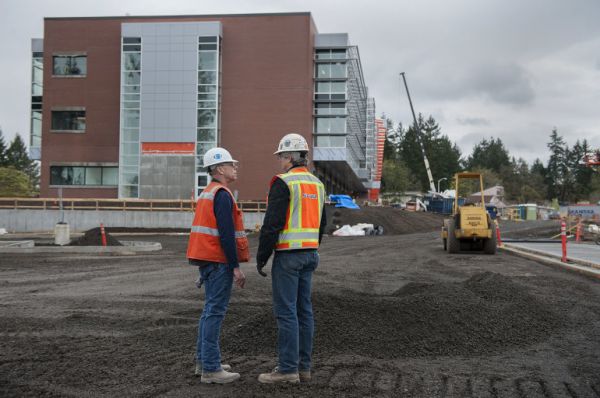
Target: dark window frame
point(72, 122)
point(69, 72)
point(63, 183)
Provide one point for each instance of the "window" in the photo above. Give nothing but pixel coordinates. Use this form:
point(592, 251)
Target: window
point(93, 176)
point(330, 141)
point(333, 108)
point(68, 121)
point(330, 125)
point(207, 60)
point(331, 71)
point(330, 54)
point(208, 102)
point(202, 180)
point(132, 61)
point(84, 175)
point(131, 67)
point(207, 43)
point(207, 135)
point(330, 90)
point(69, 65)
point(110, 176)
point(207, 118)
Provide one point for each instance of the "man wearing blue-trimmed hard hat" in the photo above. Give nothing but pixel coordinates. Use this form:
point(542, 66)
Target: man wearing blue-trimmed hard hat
point(217, 245)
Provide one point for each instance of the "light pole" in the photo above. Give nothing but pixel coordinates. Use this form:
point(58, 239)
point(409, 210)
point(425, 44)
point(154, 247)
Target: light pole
point(440, 180)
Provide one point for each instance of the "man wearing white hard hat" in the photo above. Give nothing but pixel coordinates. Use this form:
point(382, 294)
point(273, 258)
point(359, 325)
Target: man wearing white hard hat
point(217, 245)
point(293, 226)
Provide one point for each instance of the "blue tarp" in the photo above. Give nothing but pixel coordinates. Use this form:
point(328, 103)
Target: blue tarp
point(343, 201)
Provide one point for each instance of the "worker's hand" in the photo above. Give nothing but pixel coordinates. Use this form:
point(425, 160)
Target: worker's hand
point(239, 278)
point(259, 266)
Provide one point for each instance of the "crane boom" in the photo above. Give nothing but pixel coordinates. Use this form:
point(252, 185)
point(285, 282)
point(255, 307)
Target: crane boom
point(418, 127)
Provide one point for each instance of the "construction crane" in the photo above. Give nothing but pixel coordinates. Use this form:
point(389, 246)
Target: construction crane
point(418, 127)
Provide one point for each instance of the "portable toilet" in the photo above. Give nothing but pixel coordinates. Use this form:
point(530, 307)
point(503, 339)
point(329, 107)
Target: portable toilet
point(530, 211)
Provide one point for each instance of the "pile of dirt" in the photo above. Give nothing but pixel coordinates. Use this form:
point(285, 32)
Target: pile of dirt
point(394, 221)
point(93, 237)
point(485, 314)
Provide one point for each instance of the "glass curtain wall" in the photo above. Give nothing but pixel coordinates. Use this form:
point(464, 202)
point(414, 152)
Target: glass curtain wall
point(331, 74)
point(37, 73)
point(129, 153)
point(209, 82)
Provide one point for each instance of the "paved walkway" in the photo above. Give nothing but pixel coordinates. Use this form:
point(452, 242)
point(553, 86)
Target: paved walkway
point(585, 253)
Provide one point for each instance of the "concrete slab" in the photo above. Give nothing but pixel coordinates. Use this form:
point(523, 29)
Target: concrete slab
point(552, 261)
point(129, 247)
point(16, 244)
point(580, 253)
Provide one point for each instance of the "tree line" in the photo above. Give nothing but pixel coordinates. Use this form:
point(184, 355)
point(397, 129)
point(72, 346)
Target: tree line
point(563, 177)
point(19, 175)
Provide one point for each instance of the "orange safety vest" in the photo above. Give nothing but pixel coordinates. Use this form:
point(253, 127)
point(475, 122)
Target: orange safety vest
point(204, 243)
point(303, 218)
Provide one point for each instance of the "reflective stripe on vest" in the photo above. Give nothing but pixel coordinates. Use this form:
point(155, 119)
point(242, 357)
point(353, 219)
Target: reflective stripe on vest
point(301, 233)
point(214, 231)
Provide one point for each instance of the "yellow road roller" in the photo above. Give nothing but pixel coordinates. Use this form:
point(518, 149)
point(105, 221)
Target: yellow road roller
point(470, 228)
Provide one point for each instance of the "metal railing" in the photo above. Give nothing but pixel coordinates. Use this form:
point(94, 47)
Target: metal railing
point(116, 204)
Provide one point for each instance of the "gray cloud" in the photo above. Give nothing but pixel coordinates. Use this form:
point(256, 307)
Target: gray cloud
point(473, 121)
point(505, 84)
point(482, 68)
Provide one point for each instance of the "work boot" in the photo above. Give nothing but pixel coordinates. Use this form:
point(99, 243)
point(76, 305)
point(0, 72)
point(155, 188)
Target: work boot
point(305, 376)
point(219, 377)
point(276, 377)
point(198, 371)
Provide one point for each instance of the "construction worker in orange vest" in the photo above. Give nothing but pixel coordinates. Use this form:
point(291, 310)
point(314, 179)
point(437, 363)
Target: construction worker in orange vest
point(293, 226)
point(217, 245)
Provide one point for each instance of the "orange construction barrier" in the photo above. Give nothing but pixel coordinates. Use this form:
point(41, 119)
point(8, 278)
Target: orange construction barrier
point(563, 236)
point(578, 232)
point(498, 238)
point(103, 234)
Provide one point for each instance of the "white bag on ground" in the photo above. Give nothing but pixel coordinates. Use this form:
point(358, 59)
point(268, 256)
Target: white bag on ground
point(355, 230)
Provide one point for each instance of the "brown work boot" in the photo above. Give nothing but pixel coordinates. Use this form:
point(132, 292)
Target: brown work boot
point(305, 376)
point(198, 371)
point(276, 377)
point(219, 377)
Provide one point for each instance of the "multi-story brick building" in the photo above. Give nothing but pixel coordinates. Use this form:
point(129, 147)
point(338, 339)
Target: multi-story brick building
point(126, 106)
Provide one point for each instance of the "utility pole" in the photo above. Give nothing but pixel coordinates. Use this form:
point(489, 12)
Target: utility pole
point(418, 127)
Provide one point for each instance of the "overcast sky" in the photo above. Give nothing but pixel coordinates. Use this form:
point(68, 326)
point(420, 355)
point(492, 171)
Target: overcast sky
point(512, 69)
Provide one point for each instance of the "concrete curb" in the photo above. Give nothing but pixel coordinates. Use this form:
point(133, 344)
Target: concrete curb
point(129, 247)
point(583, 269)
point(556, 257)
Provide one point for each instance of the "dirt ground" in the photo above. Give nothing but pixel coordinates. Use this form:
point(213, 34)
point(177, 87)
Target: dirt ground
point(395, 316)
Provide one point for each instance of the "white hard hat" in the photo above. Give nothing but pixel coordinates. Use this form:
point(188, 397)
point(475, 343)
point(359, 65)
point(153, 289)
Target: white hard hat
point(216, 156)
point(292, 143)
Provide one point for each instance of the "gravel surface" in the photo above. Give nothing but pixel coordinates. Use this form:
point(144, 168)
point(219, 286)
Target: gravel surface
point(395, 316)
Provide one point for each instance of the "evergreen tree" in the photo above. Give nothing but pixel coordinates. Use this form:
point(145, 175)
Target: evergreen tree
point(397, 177)
point(390, 150)
point(582, 175)
point(443, 155)
point(18, 158)
point(491, 155)
point(538, 168)
point(557, 166)
point(3, 161)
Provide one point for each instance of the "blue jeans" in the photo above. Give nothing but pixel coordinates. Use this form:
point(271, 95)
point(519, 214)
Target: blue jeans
point(218, 279)
point(291, 280)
